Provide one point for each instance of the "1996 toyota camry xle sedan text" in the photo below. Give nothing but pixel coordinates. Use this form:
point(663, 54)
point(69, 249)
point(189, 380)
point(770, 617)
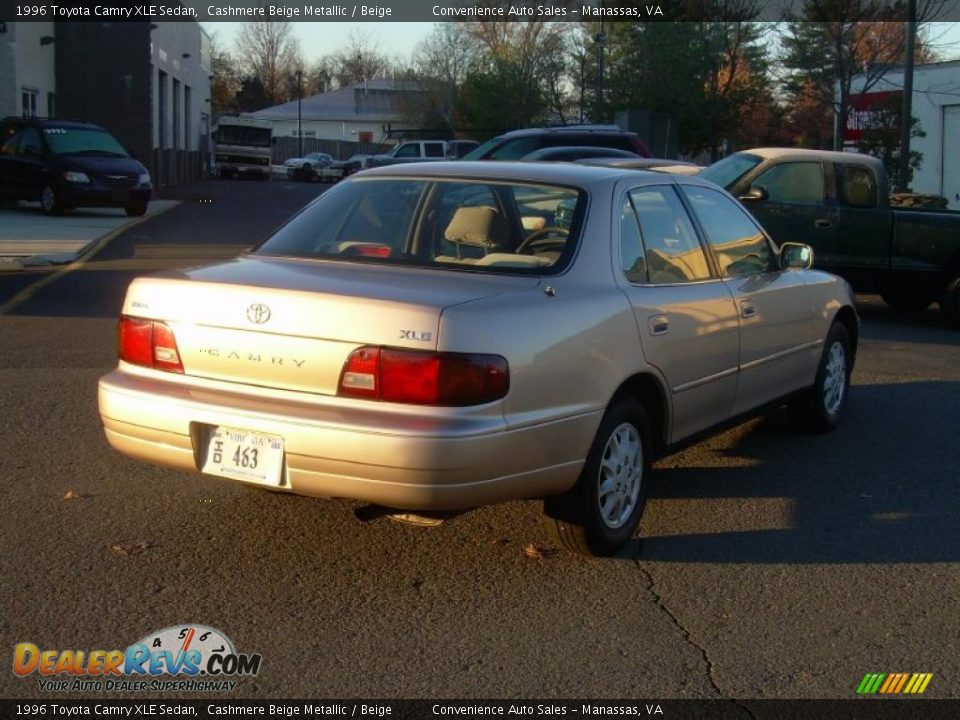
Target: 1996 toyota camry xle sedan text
point(455, 334)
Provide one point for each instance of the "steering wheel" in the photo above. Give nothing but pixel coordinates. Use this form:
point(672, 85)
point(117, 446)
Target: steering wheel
point(542, 233)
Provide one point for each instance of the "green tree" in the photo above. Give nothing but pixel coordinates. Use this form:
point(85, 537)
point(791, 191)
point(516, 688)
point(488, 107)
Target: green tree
point(520, 100)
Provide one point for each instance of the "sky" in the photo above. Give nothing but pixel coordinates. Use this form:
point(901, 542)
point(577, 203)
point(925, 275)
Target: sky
point(400, 38)
point(325, 38)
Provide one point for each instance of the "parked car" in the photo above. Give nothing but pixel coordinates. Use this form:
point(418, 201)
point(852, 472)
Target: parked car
point(407, 341)
point(409, 151)
point(456, 149)
point(315, 166)
point(676, 167)
point(65, 165)
point(838, 203)
point(351, 165)
point(520, 143)
point(569, 153)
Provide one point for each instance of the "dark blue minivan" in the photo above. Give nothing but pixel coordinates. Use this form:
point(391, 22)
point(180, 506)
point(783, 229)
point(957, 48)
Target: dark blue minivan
point(65, 165)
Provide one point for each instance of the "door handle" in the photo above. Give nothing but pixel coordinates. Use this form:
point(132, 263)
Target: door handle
point(659, 325)
point(822, 223)
point(747, 309)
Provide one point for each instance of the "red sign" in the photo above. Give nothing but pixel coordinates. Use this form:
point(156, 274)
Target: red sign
point(861, 107)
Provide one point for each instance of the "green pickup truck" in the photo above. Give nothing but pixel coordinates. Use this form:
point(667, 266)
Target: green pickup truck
point(838, 203)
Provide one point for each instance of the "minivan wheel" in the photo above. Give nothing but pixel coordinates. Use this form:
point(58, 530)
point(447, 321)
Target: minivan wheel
point(50, 201)
point(599, 515)
point(136, 209)
point(819, 409)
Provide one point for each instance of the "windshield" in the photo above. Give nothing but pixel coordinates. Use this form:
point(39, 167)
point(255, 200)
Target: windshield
point(471, 225)
point(83, 141)
point(243, 135)
point(727, 171)
point(478, 152)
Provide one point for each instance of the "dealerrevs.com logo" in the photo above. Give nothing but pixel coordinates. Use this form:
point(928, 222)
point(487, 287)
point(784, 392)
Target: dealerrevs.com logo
point(185, 657)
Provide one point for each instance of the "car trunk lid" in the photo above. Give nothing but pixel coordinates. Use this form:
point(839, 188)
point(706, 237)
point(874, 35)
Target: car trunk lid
point(291, 324)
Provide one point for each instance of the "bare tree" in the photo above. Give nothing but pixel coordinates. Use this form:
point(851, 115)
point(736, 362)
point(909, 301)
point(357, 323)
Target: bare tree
point(268, 51)
point(835, 41)
point(359, 61)
point(226, 80)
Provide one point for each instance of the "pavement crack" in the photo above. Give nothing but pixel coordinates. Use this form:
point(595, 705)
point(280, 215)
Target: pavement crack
point(688, 636)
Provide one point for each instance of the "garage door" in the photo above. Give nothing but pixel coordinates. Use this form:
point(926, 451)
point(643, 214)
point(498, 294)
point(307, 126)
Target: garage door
point(951, 155)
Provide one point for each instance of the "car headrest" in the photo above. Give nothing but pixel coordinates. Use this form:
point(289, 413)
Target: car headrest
point(481, 225)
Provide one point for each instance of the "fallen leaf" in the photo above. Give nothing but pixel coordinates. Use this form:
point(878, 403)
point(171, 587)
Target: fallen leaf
point(538, 552)
point(125, 549)
point(71, 495)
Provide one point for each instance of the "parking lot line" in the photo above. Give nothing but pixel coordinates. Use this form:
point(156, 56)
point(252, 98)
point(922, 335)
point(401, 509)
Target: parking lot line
point(31, 290)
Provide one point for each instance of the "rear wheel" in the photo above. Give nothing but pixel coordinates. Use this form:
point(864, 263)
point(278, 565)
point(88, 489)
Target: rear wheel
point(50, 200)
point(907, 301)
point(820, 408)
point(950, 302)
point(601, 512)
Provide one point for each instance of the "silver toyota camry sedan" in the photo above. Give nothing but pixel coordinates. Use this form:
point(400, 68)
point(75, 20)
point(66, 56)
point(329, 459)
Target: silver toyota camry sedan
point(448, 335)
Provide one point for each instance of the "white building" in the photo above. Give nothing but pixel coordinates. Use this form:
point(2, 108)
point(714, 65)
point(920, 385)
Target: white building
point(357, 114)
point(936, 105)
point(27, 69)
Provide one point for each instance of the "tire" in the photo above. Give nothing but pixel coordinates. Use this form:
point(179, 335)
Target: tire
point(950, 303)
point(51, 201)
point(819, 409)
point(907, 301)
point(136, 209)
point(620, 459)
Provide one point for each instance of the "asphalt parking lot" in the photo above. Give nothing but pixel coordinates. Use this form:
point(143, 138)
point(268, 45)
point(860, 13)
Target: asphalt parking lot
point(771, 564)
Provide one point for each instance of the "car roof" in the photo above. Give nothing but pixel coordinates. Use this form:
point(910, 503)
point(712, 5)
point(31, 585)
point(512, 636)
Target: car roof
point(613, 153)
point(772, 153)
point(597, 129)
point(556, 173)
point(634, 162)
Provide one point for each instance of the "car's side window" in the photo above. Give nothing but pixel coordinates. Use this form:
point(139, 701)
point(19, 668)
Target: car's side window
point(408, 151)
point(859, 186)
point(9, 137)
point(672, 251)
point(632, 258)
point(739, 244)
point(433, 149)
point(797, 183)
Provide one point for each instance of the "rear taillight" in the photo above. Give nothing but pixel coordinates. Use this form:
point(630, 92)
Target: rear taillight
point(149, 343)
point(424, 378)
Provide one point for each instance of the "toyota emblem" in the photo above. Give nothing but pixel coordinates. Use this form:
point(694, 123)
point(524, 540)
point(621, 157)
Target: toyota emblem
point(258, 313)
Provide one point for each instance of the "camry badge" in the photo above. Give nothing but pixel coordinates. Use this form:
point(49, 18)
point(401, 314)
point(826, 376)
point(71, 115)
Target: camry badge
point(258, 313)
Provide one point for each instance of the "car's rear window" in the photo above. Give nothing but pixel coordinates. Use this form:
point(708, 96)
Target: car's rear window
point(473, 225)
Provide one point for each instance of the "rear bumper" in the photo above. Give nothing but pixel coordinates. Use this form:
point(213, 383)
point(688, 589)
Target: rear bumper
point(402, 460)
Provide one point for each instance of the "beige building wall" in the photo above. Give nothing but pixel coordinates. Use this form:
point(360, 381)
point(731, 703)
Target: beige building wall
point(27, 68)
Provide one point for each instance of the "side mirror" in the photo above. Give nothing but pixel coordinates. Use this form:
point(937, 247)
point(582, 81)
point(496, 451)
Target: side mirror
point(796, 256)
point(757, 192)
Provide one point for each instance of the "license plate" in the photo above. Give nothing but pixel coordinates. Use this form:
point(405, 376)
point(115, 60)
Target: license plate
point(244, 455)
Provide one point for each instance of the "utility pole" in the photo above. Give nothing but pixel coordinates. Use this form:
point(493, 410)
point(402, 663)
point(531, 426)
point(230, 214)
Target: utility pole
point(299, 112)
point(907, 116)
point(600, 38)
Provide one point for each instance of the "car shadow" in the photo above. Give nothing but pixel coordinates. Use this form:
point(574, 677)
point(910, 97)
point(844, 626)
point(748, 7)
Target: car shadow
point(883, 488)
point(33, 208)
point(880, 322)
